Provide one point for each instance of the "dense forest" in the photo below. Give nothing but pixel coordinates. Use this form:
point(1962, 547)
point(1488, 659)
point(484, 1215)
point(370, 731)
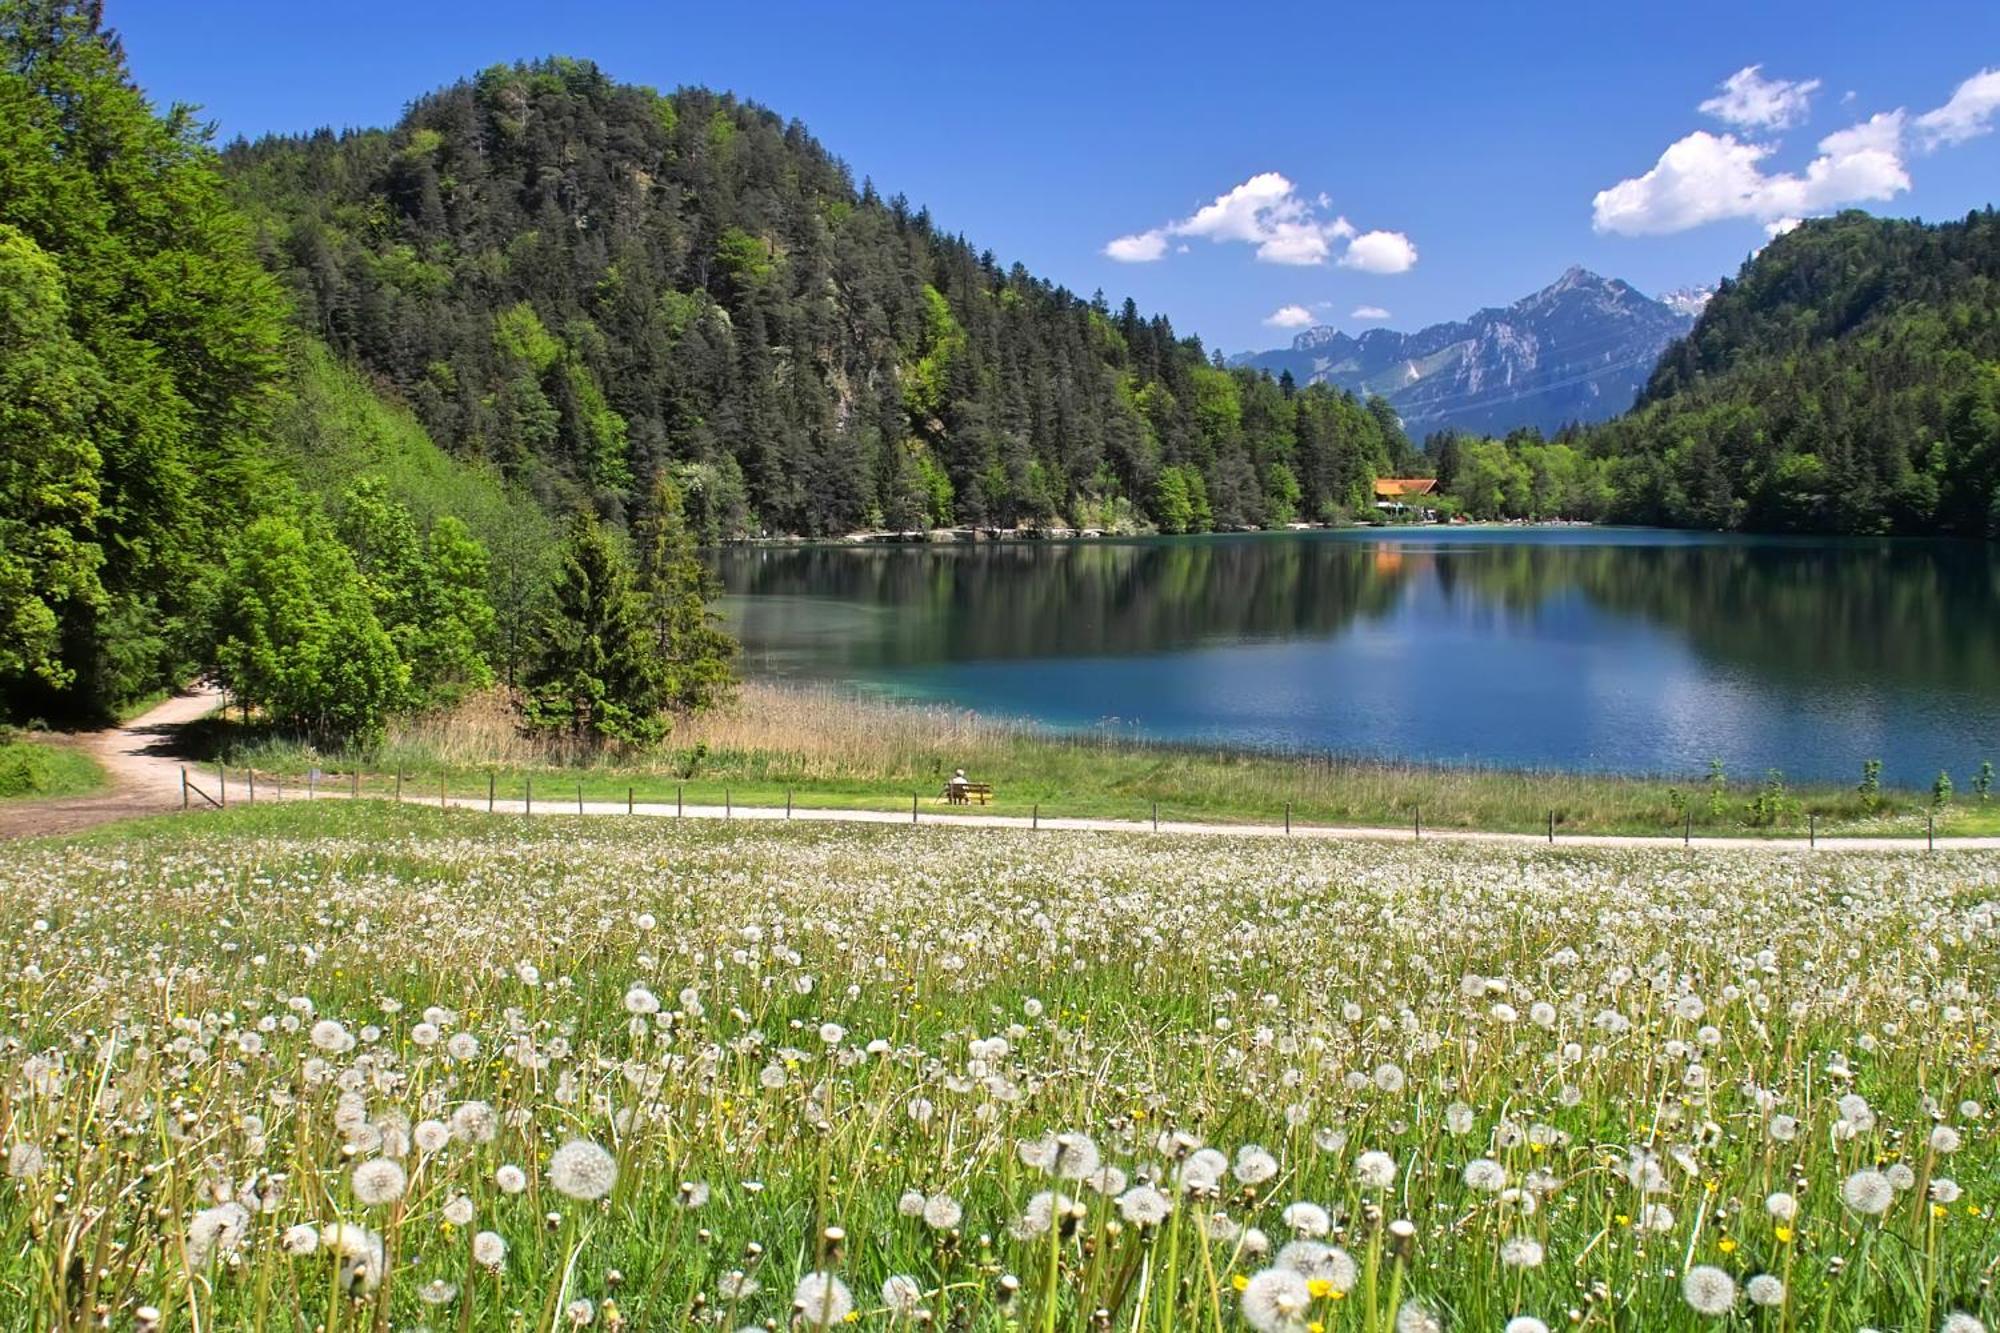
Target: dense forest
point(583, 283)
point(365, 421)
point(1847, 381)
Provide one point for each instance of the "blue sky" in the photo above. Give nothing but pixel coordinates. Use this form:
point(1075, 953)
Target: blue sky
point(1479, 148)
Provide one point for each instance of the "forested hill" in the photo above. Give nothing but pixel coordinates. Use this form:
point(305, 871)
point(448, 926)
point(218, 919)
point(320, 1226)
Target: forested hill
point(585, 283)
point(1847, 381)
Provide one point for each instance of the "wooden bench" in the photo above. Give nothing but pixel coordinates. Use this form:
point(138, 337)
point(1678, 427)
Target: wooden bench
point(965, 793)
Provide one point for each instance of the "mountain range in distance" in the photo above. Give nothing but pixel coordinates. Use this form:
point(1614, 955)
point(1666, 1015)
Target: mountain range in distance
point(1579, 350)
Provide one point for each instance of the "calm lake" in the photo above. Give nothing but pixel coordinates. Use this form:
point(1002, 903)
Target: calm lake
point(1581, 648)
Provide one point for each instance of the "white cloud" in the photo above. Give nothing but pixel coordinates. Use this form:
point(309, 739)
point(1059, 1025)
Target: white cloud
point(1776, 229)
point(1750, 101)
point(1706, 177)
point(1289, 317)
point(1380, 252)
point(1967, 115)
point(1266, 212)
point(1369, 312)
point(1141, 247)
point(1709, 177)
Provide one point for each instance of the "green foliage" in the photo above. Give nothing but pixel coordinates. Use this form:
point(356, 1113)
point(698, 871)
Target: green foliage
point(1846, 381)
point(1718, 788)
point(694, 653)
point(1870, 788)
point(600, 677)
point(1982, 781)
point(428, 593)
point(154, 349)
point(1773, 804)
point(50, 478)
point(1941, 790)
point(32, 769)
point(297, 636)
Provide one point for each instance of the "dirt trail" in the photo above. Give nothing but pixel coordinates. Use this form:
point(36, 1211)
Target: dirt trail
point(145, 774)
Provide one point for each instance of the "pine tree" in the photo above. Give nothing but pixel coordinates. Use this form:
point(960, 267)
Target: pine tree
point(677, 587)
point(600, 677)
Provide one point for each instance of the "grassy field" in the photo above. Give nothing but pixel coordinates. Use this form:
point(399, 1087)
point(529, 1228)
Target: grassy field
point(818, 748)
point(33, 768)
point(326, 1067)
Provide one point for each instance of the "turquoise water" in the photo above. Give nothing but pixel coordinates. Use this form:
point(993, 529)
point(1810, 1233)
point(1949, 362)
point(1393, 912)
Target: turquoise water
point(1580, 648)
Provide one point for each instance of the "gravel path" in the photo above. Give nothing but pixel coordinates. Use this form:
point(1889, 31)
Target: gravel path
point(145, 775)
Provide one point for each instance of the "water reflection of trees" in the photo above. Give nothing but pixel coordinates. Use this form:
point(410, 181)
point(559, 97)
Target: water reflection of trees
point(1069, 600)
point(1872, 612)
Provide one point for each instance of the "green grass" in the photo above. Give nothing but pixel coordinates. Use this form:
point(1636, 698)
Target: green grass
point(847, 1016)
point(819, 752)
point(32, 769)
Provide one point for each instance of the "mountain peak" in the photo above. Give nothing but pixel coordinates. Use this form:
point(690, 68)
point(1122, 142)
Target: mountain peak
point(1577, 350)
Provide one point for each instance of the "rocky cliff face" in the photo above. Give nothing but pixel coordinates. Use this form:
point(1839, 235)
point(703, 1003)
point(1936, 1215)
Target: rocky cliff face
point(1578, 350)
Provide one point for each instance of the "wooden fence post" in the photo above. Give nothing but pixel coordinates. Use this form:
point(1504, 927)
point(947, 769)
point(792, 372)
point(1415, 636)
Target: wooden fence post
point(628, 799)
point(253, 784)
point(1420, 824)
point(728, 805)
point(1156, 816)
point(1812, 829)
point(354, 792)
point(679, 809)
point(528, 801)
point(1552, 828)
point(489, 793)
point(1288, 819)
point(1687, 830)
point(913, 807)
point(579, 796)
point(788, 802)
point(1035, 820)
point(221, 787)
point(399, 784)
point(184, 788)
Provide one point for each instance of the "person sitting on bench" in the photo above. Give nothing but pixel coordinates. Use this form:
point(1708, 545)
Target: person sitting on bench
point(955, 789)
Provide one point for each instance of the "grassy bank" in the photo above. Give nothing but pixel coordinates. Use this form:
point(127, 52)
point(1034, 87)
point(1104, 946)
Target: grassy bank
point(821, 749)
point(33, 768)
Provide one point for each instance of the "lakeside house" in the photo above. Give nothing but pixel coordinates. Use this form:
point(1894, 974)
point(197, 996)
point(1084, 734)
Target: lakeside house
point(1392, 494)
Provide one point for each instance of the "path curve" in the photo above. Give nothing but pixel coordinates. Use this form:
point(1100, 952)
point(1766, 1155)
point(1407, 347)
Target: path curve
point(139, 760)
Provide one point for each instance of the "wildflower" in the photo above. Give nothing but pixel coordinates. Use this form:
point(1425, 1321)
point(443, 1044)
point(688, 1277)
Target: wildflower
point(1375, 1170)
point(1867, 1192)
point(1526, 1323)
point(431, 1136)
point(820, 1300)
point(1458, 1118)
point(902, 1295)
point(24, 1161)
point(910, 1203)
point(1766, 1290)
point(1321, 1262)
point(299, 1240)
point(329, 1036)
point(378, 1181)
point(488, 1249)
point(463, 1047)
point(1276, 1301)
point(1961, 1323)
point(1521, 1252)
point(832, 1033)
point(359, 1253)
point(736, 1285)
point(1781, 1206)
point(941, 1212)
point(581, 1169)
point(458, 1212)
point(437, 1291)
point(1306, 1219)
point(1144, 1206)
point(1254, 1165)
point(1485, 1175)
point(217, 1230)
point(510, 1179)
point(1708, 1290)
point(1944, 1140)
point(580, 1313)
point(475, 1122)
point(1416, 1317)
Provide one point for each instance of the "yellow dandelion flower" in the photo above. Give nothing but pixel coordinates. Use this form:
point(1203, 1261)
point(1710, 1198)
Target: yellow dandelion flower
point(1319, 1287)
point(1239, 1281)
point(1784, 1235)
point(1727, 1245)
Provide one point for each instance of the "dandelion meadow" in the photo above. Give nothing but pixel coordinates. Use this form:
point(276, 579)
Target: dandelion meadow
point(375, 1069)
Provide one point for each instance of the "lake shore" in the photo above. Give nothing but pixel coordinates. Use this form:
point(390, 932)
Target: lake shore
point(818, 747)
